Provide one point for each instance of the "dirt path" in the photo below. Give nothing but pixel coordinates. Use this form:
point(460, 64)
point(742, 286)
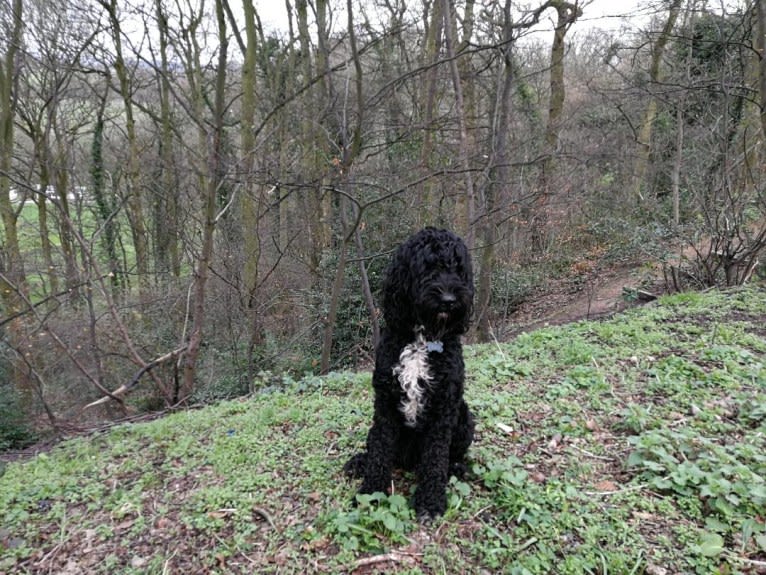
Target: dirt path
point(595, 295)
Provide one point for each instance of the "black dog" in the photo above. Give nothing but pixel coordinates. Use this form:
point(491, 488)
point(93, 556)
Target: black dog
point(421, 421)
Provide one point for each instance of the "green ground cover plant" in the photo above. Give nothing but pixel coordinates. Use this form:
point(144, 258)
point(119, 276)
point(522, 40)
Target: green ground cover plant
point(629, 445)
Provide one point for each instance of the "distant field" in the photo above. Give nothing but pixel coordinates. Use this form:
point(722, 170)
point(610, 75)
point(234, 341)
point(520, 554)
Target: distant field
point(84, 218)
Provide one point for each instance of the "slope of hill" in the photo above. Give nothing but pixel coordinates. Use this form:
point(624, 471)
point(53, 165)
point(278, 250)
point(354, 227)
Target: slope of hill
point(630, 445)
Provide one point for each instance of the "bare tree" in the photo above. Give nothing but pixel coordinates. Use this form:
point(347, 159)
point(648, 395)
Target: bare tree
point(566, 15)
point(351, 145)
point(466, 200)
point(760, 46)
point(211, 147)
point(646, 126)
point(166, 198)
point(11, 261)
point(498, 172)
point(134, 197)
point(13, 285)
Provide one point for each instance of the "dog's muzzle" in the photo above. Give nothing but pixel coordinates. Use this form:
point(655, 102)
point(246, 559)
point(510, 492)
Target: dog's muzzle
point(447, 306)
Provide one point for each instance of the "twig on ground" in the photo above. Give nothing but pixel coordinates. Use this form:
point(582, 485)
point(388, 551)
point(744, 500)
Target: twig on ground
point(166, 565)
point(50, 554)
point(745, 560)
point(592, 455)
point(263, 513)
point(390, 557)
point(123, 389)
point(616, 491)
point(480, 511)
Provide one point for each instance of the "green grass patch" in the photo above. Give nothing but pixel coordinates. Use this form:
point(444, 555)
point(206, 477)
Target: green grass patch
point(632, 445)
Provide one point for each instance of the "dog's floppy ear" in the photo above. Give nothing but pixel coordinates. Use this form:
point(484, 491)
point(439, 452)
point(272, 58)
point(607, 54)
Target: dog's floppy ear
point(397, 292)
point(466, 269)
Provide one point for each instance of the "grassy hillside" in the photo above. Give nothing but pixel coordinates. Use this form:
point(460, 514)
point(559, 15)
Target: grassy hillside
point(633, 445)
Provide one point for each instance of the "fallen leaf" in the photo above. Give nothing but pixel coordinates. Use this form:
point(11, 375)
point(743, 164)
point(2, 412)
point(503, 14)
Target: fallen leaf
point(281, 558)
point(221, 513)
point(606, 485)
point(163, 523)
point(555, 441)
point(505, 428)
point(127, 524)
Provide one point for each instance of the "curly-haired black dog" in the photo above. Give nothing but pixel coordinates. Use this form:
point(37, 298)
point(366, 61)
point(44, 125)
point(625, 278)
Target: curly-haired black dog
point(421, 421)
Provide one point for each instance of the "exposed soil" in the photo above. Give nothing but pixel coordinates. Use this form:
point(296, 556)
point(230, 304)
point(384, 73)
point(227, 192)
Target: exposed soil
point(594, 294)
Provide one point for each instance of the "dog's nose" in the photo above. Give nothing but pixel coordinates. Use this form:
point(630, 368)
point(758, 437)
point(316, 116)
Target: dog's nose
point(448, 299)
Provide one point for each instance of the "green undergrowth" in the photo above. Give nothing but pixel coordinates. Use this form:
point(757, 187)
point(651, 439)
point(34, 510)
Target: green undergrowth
point(631, 445)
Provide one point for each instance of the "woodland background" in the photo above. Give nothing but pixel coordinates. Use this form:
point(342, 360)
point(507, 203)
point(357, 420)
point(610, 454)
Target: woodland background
point(194, 206)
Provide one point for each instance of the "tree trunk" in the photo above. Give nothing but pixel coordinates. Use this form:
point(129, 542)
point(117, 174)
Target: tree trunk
point(351, 141)
point(433, 42)
point(13, 283)
point(499, 176)
point(366, 290)
point(760, 45)
point(13, 266)
point(675, 175)
point(327, 96)
point(335, 295)
point(213, 180)
point(46, 247)
point(249, 198)
point(567, 14)
point(314, 145)
point(66, 223)
point(466, 201)
point(105, 204)
point(133, 194)
point(644, 143)
point(167, 259)
point(678, 158)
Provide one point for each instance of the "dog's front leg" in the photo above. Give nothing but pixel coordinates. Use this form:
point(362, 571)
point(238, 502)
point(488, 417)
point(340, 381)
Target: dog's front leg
point(381, 442)
point(433, 474)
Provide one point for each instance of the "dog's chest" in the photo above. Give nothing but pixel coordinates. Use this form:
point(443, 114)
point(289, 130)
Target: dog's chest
point(415, 376)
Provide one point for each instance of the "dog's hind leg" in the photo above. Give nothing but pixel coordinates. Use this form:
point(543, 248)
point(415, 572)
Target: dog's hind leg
point(355, 466)
point(462, 437)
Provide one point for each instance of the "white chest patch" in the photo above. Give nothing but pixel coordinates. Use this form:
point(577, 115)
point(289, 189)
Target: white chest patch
point(414, 376)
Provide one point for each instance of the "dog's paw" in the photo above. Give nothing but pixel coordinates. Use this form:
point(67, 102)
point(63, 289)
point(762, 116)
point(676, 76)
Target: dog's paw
point(426, 518)
point(458, 469)
point(427, 510)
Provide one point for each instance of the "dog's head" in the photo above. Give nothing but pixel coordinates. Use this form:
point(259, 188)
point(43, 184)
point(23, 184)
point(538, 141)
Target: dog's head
point(429, 283)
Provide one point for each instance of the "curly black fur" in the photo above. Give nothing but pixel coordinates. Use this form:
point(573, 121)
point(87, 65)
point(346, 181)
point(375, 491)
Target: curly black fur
point(427, 303)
